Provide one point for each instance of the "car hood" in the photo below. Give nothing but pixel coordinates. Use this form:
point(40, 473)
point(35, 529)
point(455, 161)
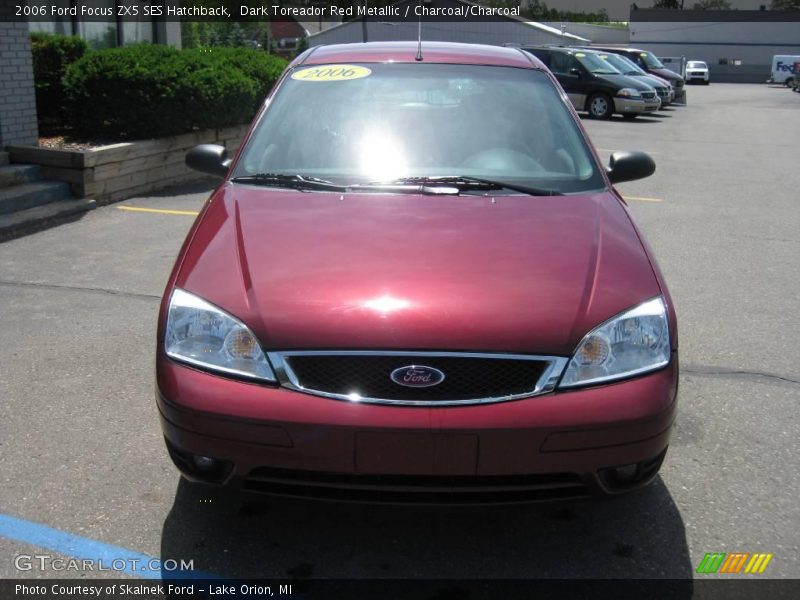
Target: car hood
point(666, 74)
point(324, 270)
point(653, 81)
point(627, 81)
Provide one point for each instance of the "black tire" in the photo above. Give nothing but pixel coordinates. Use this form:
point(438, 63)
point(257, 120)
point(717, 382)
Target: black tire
point(629, 116)
point(789, 82)
point(600, 106)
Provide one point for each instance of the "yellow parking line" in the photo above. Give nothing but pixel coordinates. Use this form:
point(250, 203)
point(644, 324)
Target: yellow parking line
point(161, 211)
point(642, 199)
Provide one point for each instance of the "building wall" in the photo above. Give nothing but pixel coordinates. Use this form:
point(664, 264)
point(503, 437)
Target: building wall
point(736, 51)
point(494, 33)
point(599, 34)
point(618, 10)
point(17, 94)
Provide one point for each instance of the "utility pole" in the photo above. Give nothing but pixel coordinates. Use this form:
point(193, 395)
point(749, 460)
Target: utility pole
point(364, 21)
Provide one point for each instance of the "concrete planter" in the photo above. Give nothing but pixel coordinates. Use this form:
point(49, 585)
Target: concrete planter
point(112, 173)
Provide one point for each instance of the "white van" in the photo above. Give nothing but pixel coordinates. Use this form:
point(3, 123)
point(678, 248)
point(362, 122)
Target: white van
point(782, 68)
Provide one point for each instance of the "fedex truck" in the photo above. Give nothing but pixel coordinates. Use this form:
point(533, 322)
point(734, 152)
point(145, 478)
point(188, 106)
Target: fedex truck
point(782, 65)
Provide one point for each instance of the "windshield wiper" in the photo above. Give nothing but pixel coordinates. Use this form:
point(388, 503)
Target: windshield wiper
point(298, 182)
point(451, 184)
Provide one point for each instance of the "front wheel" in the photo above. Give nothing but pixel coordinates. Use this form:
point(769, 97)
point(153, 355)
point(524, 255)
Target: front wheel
point(600, 106)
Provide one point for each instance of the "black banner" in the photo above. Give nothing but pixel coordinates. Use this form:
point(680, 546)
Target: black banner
point(260, 10)
point(734, 588)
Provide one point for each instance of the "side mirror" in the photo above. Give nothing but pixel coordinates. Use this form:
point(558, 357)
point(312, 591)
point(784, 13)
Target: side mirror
point(575, 71)
point(629, 165)
point(209, 158)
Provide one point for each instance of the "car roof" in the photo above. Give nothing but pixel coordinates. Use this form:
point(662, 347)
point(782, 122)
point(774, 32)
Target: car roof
point(617, 48)
point(565, 49)
point(547, 47)
point(406, 52)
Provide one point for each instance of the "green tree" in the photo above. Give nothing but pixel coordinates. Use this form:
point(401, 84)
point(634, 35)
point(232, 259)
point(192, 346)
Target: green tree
point(264, 39)
point(712, 5)
point(667, 4)
point(214, 38)
point(785, 5)
point(236, 36)
point(190, 34)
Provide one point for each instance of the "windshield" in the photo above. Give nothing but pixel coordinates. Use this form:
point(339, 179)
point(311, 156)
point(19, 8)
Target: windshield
point(595, 64)
point(651, 61)
point(365, 123)
point(696, 64)
point(633, 66)
point(619, 63)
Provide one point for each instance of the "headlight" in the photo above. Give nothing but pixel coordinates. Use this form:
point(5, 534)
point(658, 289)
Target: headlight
point(629, 93)
point(634, 342)
point(201, 334)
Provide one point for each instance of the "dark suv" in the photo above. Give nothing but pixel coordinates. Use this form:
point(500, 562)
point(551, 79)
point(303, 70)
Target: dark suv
point(648, 61)
point(595, 86)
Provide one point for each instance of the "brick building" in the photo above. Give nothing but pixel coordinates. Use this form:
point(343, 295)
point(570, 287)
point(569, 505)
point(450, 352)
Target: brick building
point(17, 97)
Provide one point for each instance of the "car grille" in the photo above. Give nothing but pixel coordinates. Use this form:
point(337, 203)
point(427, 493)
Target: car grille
point(366, 376)
point(662, 92)
point(679, 83)
point(427, 489)
point(648, 95)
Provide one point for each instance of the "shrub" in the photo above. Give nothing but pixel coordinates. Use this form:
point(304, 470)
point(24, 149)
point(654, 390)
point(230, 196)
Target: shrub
point(143, 91)
point(129, 90)
point(52, 54)
point(259, 66)
point(215, 95)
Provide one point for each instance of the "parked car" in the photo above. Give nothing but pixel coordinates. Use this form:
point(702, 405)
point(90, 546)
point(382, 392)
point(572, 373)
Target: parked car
point(594, 85)
point(632, 65)
point(630, 69)
point(697, 70)
point(661, 80)
point(650, 63)
point(796, 82)
point(397, 292)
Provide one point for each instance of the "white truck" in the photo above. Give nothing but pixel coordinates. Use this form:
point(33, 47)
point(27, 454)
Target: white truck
point(782, 65)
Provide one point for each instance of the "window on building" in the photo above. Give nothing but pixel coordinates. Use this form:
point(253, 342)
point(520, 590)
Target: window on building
point(109, 33)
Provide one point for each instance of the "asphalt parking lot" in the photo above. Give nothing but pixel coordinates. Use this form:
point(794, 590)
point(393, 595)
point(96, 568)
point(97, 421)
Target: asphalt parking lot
point(82, 451)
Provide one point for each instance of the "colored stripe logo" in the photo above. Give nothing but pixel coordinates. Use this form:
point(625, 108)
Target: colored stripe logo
point(734, 563)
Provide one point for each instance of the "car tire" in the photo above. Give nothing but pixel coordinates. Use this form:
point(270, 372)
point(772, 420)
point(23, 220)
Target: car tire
point(600, 106)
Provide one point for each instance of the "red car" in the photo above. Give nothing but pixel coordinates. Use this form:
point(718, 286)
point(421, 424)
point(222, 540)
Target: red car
point(416, 283)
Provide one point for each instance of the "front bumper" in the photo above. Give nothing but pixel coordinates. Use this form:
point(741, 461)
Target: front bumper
point(635, 106)
point(555, 446)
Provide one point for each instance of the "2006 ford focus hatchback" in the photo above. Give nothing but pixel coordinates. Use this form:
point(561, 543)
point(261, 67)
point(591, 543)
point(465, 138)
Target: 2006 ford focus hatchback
point(416, 283)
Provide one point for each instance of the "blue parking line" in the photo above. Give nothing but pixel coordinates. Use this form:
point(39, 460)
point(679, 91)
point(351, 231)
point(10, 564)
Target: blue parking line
point(78, 547)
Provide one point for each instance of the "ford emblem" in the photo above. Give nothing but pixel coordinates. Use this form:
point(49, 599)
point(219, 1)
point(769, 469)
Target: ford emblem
point(417, 376)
